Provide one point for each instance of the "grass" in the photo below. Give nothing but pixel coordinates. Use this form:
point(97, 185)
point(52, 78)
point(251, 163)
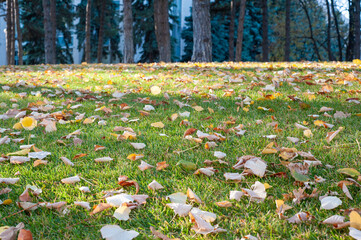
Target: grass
point(190, 83)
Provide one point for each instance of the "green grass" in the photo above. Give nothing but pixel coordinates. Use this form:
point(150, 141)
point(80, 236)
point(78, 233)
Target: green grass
point(244, 217)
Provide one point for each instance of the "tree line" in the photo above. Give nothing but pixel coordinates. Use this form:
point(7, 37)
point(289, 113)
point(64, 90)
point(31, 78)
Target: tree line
point(219, 30)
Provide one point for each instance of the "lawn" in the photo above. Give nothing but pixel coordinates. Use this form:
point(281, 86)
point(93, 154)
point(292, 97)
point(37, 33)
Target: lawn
point(277, 104)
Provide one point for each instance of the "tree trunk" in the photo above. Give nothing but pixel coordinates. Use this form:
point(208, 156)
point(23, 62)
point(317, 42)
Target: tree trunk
point(329, 52)
point(162, 34)
point(351, 33)
point(13, 27)
point(357, 29)
point(265, 48)
point(101, 32)
point(242, 11)
point(12, 52)
point(18, 30)
point(10, 32)
point(337, 30)
point(128, 32)
point(288, 31)
point(202, 37)
point(53, 28)
point(231, 31)
point(48, 33)
point(304, 6)
point(87, 31)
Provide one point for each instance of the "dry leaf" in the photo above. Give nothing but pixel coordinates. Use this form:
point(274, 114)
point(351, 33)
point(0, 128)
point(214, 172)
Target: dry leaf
point(154, 185)
point(144, 166)
point(67, 161)
point(70, 180)
point(114, 232)
point(180, 209)
point(24, 235)
point(103, 159)
point(161, 165)
point(134, 156)
point(157, 125)
point(332, 135)
point(100, 207)
point(122, 213)
point(193, 197)
point(138, 146)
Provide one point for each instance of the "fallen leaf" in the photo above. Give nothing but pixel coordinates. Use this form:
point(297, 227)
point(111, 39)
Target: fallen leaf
point(180, 209)
point(122, 213)
point(25, 235)
point(103, 159)
point(193, 197)
point(330, 202)
point(157, 125)
point(70, 180)
point(349, 171)
point(154, 185)
point(114, 232)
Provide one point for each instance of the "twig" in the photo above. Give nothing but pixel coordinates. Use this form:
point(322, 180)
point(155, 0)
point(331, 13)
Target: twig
point(25, 209)
point(179, 152)
point(87, 181)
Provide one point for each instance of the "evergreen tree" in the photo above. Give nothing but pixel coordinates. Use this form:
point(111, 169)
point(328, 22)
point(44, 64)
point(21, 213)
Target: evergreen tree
point(33, 31)
point(144, 31)
point(220, 20)
point(111, 31)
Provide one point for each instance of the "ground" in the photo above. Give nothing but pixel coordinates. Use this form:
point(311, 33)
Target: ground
point(261, 98)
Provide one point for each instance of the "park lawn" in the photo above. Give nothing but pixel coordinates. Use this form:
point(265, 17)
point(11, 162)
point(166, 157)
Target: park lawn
point(219, 90)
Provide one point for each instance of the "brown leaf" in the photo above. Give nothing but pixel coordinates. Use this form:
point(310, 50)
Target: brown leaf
point(25, 235)
point(159, 234)
point(332, 135)
point(122, 181)
point(189, 131)
point(162, 165)
point(80, 155)
point(100, 207)
point(25, 196)
point(224, 204)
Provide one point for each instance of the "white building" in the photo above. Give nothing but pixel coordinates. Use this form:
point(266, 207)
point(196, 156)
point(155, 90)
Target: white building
point(181, 10)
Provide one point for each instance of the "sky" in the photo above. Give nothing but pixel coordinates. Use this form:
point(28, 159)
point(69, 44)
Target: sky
point(343, 6)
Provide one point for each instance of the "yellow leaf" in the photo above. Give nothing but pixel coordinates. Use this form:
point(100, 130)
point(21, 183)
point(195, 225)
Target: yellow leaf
point(269, 151)
point(174, 116)
point(267, 186)
point(7, 202)
point(155, 90)
point(246, 109)
point(19, 153)
point(134, 156)
point(319, 123)
point(18, 126)
point(307, 133)
point(355, 220)
point(157, 125)
point(198, 108)
point(29, 123)
point(279, 203)
point(210, 110)
point(87, 121)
